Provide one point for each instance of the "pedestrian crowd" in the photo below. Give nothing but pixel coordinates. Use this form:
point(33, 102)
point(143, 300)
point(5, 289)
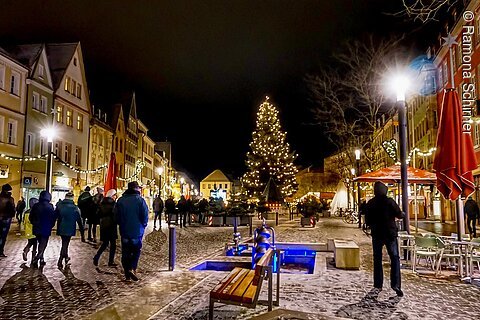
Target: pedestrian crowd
point(128, 215)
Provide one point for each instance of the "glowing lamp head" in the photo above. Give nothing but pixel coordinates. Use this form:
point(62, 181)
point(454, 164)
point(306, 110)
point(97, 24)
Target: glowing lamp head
point(352, 171)
point(400, 85)
point(48, 133)
point(182, 180)
point(160, 170)
point(357, 154)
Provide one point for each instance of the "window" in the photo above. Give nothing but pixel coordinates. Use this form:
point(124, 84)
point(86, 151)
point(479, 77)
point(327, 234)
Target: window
point(79, 91)
point(12, 131)
point(80, 122)
point(42, 146)
point(440, 75)
point(94, 161)
point(100, 139)
point(121, 146)
point(15, 83)
point(59, 112)
point(2, 76)
point(43, 104)
point(69, 118)
point(29, 143)
point(40, 71)
point(445, 72)
point(2, 127)
point(78, 156)
point(36, 101)
point(58, 148)
point(476, 141)
point(209, 186)
point(116, 143)
point(226, 186)
point(72, 87)
point(67, 152)
point(67, 83)
point(220, 186)
point(204, 185)
point(75, 61)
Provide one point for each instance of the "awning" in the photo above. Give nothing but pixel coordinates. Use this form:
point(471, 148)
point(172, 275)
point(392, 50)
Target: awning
point(392, 175)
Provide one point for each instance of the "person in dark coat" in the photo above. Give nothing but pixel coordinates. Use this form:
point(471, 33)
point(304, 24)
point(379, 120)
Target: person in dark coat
point(131, 214)
point(182, 211)
point(203, 210)
point(84, 203)
point(108, 228)
point(42, 217)
point(21, 205)
point(7, 212)
point(31, 239)
point(68, 216)
point(473, 213)
point(157, 209)
point(169, 209)
point(380, 214)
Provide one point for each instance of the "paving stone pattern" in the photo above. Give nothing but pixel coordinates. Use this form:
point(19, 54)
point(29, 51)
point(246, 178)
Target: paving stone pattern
point(85, 292)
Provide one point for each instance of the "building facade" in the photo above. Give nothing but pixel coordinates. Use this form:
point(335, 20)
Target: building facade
point(131, 136)
point(100, 147)
point(216, 184)
point(13, 95)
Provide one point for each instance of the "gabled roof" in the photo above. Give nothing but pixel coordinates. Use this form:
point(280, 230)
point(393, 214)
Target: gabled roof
point(59, 56)
point(129, 105)
point(115, 113)
point(26, 54)
point(216, 176)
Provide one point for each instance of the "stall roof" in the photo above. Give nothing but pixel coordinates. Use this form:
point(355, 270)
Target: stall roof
point(392, 175)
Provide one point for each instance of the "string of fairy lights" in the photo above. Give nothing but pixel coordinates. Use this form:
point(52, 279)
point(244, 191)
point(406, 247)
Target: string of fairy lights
point(270, 153)
point(390, 148)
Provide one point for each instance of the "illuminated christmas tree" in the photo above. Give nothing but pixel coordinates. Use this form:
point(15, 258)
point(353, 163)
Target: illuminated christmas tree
point(270, 155)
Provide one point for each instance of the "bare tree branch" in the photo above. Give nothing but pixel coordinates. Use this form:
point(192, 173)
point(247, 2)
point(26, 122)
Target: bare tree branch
point(349, 99)
point(425, 10)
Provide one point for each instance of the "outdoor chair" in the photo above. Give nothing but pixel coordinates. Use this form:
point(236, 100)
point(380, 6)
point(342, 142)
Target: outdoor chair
point(448, 252)
point(426, 247)
point(475, 255)
point(406, 242)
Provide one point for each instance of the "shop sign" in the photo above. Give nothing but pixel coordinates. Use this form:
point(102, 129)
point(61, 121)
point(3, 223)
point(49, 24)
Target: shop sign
point(3, 171)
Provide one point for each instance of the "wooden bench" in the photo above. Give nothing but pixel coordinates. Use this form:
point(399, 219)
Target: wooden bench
point(242, 286)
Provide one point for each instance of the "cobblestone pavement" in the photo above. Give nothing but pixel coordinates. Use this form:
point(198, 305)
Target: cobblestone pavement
point(86, 292)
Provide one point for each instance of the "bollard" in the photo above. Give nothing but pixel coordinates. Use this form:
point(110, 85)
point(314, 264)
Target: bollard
point(172, 244)
point(276, 218)
point(251, 227)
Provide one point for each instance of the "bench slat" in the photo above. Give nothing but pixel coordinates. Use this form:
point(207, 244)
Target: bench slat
point(219, 287)
point(241, 289)
point(227, 290)
point(250, 293)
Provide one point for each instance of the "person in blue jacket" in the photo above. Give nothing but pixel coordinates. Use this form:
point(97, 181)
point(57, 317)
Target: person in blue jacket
point(68, 216)
point(131, 214)
point(42, 217)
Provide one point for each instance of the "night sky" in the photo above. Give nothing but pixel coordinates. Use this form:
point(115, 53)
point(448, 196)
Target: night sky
point(201, 68)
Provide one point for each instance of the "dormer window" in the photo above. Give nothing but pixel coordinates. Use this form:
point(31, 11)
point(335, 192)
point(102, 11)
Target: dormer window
point(40, 71)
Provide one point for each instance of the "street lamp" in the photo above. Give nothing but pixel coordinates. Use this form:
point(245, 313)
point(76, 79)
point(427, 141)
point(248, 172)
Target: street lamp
point(182, 182)
point(49, 134)
point(159, 172)
point(401, 85)
point(352, 171)
point(358, 152)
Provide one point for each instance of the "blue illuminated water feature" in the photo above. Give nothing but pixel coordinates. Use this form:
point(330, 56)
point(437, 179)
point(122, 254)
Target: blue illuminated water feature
point(293, 261)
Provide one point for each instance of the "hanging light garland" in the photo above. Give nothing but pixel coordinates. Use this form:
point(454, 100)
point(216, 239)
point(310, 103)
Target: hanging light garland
point(29, 158)
point(138, 169)
point(68, 165)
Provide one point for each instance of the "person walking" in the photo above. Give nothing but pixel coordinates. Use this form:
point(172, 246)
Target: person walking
point(169, 209)
point(84, 204)
point(380, 214)
point(131, 214)
point(42, 217)
point(108, 228)
point(473, 213)
point(19, 210)
point(68, 216)
point(157, 209)
point(182, 211)
point(7, 212)
point(203, 210)
point(27, 227)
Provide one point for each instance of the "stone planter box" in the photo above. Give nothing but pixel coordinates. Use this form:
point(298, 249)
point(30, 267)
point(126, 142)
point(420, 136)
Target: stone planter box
point(215, 221)
point(269, 215)
point(244, 220)
point(308, 221)
point(230, 221)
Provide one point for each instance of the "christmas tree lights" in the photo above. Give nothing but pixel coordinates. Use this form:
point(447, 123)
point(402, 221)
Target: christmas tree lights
point(270, 155)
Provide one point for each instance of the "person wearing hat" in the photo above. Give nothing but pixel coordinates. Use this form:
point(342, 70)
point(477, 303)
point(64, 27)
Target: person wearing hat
point(7, 212)
point(42, 217)
point(131, 214)
point(380, 214)
point(68, 216)
point(108, 228)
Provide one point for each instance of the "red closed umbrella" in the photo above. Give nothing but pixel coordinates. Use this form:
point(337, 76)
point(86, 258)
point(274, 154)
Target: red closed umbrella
point(455, 158)
point(111, 177)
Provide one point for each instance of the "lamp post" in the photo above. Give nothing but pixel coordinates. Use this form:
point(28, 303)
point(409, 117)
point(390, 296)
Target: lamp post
point(49, 133)
point(357, 160)
point(160, 172)
point(352, 171)
point(182, 181)
point(401, 85)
